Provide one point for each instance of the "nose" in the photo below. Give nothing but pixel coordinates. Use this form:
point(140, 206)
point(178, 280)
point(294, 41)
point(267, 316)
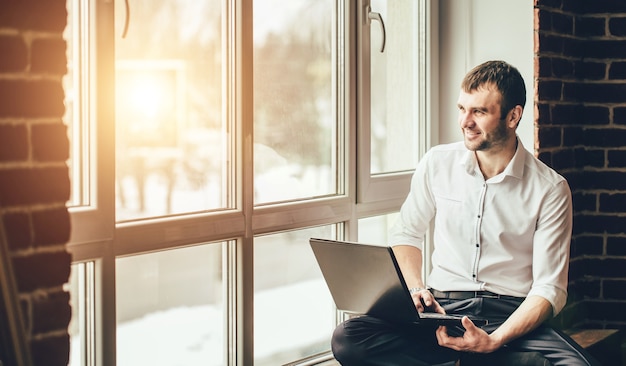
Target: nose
point(465, 119)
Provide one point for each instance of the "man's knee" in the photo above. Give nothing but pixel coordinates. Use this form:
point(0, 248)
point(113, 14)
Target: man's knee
point(343, 348)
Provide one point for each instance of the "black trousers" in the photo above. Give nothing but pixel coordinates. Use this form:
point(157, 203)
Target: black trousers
point(367, 340)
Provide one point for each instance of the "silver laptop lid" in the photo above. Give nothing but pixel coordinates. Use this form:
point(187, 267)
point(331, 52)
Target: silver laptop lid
point(364, 279)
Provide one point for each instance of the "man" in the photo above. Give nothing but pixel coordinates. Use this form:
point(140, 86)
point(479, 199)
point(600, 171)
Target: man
point(502, 229)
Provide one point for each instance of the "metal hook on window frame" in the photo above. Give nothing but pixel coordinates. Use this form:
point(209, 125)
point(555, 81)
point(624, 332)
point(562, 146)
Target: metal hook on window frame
point(376, 16)
point(127, 20)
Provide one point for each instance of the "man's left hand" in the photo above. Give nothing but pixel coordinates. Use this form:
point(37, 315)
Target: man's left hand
point(474, 340)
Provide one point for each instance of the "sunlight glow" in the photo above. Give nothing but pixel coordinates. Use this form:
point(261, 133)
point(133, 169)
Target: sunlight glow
point(147, 95)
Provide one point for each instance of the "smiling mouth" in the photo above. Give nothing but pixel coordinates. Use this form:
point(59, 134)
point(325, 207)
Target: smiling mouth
point(469, 133)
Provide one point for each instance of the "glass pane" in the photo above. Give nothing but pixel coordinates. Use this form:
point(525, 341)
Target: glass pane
point(172, 152)
point(375, 229)
point(295, 127)
point(394, 105)
point(294, 314)
point(81, 287)
point(170, 308)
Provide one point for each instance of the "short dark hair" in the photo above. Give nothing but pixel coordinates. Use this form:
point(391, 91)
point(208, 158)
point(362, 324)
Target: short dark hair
point(504, 76)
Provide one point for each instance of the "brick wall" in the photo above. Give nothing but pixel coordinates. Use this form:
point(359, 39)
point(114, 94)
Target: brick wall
point(34, 178)
point(580, 71)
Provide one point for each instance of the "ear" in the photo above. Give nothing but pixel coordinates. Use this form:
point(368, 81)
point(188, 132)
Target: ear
point(515, 115)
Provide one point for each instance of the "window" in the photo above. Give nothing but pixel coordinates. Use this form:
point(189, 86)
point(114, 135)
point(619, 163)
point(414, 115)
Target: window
point(170, 307)
point(293, 310)
point(295, 101)
point(210, 140)
point(172, 137)
point(393, 102)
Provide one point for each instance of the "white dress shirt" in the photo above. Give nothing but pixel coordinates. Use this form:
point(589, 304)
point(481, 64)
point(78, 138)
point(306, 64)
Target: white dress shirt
point(509, 234)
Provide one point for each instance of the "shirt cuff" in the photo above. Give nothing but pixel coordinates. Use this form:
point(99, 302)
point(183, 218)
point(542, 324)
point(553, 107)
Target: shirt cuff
point(556, 296)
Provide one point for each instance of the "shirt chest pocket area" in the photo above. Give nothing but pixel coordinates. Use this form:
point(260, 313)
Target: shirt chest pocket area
point(450, 216)
point(447, 204)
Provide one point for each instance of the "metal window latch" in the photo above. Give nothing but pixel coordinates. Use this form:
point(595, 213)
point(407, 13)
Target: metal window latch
point(126, 22)
point(376, 16)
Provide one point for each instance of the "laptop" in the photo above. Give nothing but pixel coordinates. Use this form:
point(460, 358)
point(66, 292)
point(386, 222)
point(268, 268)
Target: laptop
point(366, 279)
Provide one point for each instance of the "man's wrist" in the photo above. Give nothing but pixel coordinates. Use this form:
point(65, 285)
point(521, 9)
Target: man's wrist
point(414, 290)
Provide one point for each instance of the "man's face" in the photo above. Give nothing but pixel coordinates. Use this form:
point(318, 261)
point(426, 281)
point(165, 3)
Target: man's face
point(480, 119)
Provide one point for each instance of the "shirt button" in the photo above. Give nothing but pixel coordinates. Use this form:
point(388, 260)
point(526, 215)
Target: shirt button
point(477, 245)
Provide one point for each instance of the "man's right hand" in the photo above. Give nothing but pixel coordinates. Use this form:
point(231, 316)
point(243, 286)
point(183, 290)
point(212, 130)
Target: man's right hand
point(425, 301)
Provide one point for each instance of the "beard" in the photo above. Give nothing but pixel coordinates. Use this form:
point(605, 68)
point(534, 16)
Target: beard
point(496, 137)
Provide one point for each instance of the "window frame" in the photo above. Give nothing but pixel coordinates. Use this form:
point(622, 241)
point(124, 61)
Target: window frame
point(391, 187)
point(96, 237)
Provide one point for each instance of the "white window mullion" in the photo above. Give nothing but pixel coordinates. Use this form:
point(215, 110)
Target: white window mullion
point(240, 284)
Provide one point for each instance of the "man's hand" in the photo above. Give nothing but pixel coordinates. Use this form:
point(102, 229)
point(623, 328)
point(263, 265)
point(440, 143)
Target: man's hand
point(474, 340)
point(424, 300)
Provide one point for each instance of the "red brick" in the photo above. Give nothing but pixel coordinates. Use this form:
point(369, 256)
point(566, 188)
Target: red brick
point(14, 54)
point(563, 159)
point(617, 26)
point(612, 202)
point(13, 143)
point(590, 26)
point(543, 19)
point(590, 70)
point(562, 68)
point(616, 159)
point(51, 350)
point(586, 287)
point(555, 4)
point(619, 115)
point(586, 158)
point(48, 55)
point(589, 245)
point(614, 289)
point(51, 227)
point(566, 113)
point(604, 310)
point(31, 99)
point(543, 66)
point(574, 136)
point(42, 270)
point(600, 49)
point(550, 136)
point(542, 114)
point(562, 23)
point(48, 15)
point(604, 180)
point(31, 186)
point(616, 245)
point(605, 137)
point(600, 7)
point(549, 90)
point(576, 114)
point(585, 201)
point(51, 312)
point(552, 43)
point(604, 267)
point(617, 70)
point(597, 92)
point(50, 142)
point(18, 230)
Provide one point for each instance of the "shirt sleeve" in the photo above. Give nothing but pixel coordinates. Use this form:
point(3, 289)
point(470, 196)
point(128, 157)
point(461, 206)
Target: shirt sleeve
point(551, 247)
point(417, 211)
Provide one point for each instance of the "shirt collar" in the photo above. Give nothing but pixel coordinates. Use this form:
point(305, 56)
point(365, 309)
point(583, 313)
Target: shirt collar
point(515, 168)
